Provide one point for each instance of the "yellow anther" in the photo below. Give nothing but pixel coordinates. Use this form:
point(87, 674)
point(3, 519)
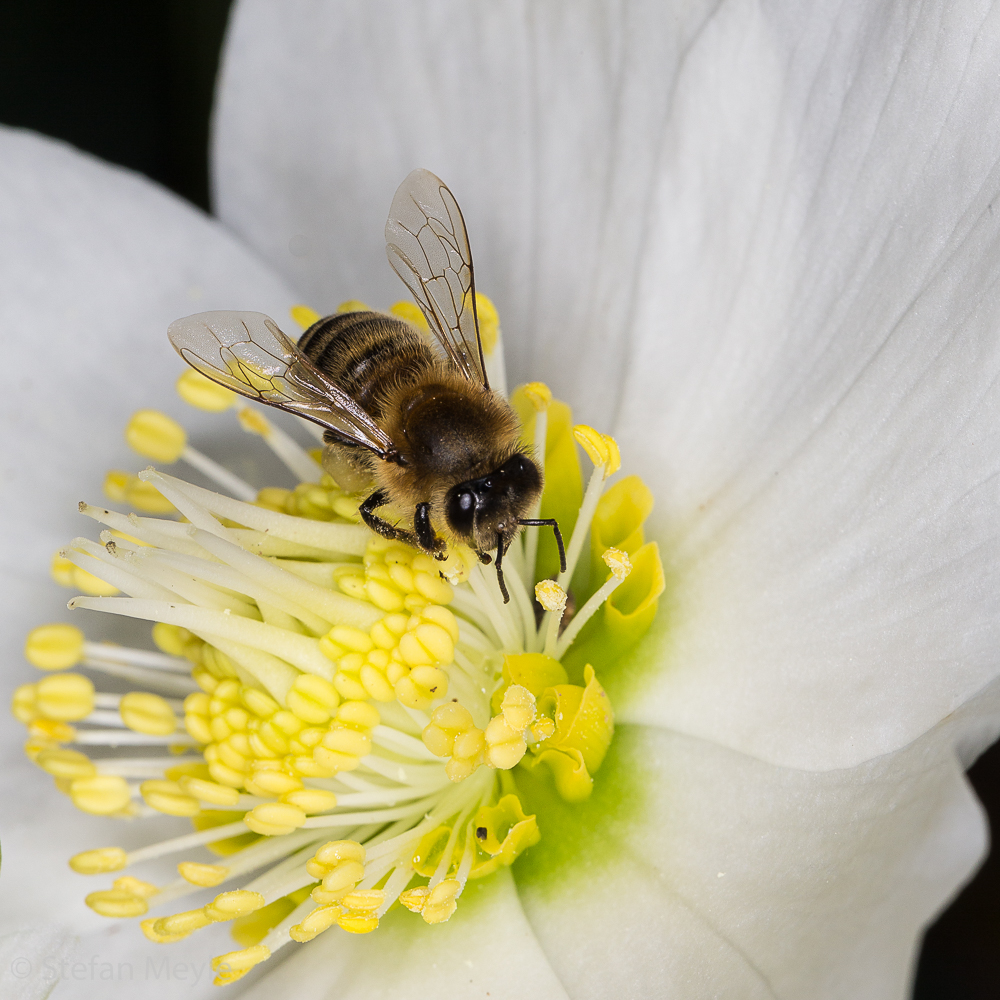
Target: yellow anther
point(99, 861)
point(147, 713)
point(614, 456)
point(253, 422)
point(518, 707)
point(319, 920)
point(352, 742)
point(360, 906)
point(168, 797)
point(618, 562)
point(54, 647)
point(68, 764)
point(65, 697)
point(274, 819)
point(117, 903)
point(203, 875)
point(333, 853)
point(505, 746)
point(179, 925)
point(305, 316)
point(441, 901)
point(173, 639)
point(542, 729)
point(489, 323)
point(447, 722)
point(273, 782)
point(538, 394)
point(125, 488)
point(343, 877)
point(201, 392)
point(148, 927)
point(135, 886)
point(155, 435)
point(274, 498)
point(353, 306)
point(313, 699)
point(421, 686)
point(410, 312)
point(236, 964)
point(62, 571)
point(593, 442)
point(550, 596)
point(49, 729)
point(229, 905)
point(261, 704)
point(311, 800)
point(358, 715)
point(37, 745)
point(100, 794)
point(23, 704)
point(414, 899)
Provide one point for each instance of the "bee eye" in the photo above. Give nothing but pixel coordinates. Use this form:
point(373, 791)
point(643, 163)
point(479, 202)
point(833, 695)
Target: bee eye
point(461, 511)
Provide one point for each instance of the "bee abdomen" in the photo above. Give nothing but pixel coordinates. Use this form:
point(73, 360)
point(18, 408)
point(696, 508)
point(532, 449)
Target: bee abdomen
point(367, 354)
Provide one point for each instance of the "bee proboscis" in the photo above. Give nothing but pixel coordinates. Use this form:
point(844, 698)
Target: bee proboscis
point(422, 427)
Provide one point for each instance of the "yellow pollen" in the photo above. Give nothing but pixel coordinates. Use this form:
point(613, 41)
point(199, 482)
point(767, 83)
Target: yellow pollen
point(204, 394)
point(311, 800)
point(147, 713)
point(618, 562)
point(54, 647)
point(305, 316)
point(156, 436)
point(550, 596)
point(539, 395)
point(452, 733)
point(135, 886)
point(201, 874)
point(99, 861)
point(209, 791)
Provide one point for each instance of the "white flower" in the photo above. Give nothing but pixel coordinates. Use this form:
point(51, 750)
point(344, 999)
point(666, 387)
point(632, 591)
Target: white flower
point(759, 247)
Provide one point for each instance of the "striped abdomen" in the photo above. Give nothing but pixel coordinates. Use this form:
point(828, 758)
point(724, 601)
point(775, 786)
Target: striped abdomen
point(367, 354)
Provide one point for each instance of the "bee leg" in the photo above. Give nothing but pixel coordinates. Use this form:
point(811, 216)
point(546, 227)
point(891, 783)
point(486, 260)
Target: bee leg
point(503, 586)
point(379, 499)
point(426, 538)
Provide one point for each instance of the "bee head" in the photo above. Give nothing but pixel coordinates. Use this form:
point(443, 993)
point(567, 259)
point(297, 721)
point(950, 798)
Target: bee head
point(480, 510)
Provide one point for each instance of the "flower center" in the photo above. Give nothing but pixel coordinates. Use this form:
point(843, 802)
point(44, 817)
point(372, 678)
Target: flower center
point(355, 713)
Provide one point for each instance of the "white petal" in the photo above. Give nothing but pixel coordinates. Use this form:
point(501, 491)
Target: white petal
point(702, 872)
point(487, 947)
point(758, 245)
point(94, 263)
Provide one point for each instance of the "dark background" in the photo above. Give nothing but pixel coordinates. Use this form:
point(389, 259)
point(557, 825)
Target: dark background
point(132, 83)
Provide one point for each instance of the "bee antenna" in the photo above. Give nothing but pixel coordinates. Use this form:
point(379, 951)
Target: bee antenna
point(548, 522)
point(503, 586)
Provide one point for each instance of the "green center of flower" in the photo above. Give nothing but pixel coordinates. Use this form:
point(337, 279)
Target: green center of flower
point(355, 713)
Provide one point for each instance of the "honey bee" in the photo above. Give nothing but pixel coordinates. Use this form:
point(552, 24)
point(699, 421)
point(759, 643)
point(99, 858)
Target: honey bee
point(423, 427)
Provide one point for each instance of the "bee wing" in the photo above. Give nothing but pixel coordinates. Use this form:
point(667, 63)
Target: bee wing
point(428, 247)
point(246, 352)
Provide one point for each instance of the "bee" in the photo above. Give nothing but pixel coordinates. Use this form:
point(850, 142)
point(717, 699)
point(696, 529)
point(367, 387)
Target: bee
point(419, 428)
